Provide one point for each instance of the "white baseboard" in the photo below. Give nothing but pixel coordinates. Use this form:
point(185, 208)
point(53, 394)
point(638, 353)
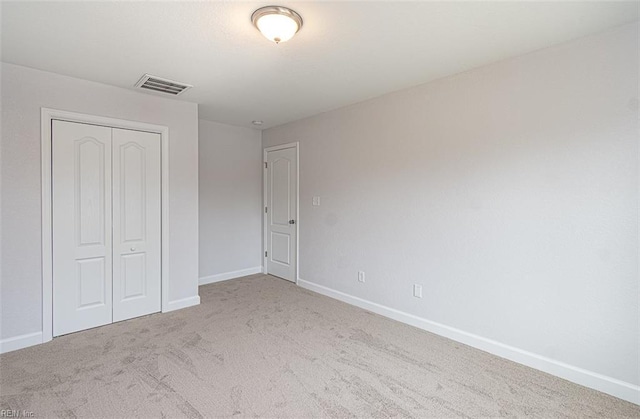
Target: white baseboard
point(182, 303)
point(229, 275)
point(19, 342)
point(31, 339)
point(603, 383)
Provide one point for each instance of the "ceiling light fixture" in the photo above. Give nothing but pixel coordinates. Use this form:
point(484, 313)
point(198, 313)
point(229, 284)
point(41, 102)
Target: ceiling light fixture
point(277, 23)
point(256, 122)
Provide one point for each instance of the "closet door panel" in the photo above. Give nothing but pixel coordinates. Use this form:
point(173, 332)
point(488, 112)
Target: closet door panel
point(136, 221)
point(82, 248)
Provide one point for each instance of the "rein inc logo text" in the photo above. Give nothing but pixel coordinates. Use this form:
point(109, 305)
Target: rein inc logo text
point(10, 413)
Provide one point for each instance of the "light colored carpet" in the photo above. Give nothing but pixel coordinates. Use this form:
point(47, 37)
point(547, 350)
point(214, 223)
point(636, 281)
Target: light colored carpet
point(260, 346)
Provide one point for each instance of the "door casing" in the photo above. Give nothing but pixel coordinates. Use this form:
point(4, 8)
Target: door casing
point(47, 115)
point(296, 146)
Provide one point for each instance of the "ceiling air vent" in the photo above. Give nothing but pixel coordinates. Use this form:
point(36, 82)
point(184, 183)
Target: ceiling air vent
point(162, 85)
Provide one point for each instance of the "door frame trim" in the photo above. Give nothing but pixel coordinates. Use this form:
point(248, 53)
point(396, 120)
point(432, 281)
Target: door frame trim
point(295, 145)
point(47, 115)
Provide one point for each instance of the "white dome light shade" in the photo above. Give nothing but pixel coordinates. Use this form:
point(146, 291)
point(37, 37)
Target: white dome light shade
point(277, 28)
point(277, 24)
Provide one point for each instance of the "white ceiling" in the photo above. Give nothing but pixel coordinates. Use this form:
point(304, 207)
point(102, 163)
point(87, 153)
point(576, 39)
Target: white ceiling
point(346, 51)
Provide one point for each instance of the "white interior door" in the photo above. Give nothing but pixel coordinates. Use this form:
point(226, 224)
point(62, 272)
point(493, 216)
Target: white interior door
point(81, 226)
point(136, 224)
point(106, 225)
point(282, 201)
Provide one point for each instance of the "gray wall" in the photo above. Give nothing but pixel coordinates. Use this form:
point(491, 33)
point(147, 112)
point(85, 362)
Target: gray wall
point(509, 192)
point(24, 92)
point(230, 198)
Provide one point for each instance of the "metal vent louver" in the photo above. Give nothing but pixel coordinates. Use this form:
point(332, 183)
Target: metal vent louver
point(162, 85)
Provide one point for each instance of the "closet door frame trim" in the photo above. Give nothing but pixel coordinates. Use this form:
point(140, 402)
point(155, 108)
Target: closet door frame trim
point(47, 116)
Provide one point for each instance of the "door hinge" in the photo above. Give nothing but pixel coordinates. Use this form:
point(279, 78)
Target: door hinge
point(265, 165)
point(265, 254)
point(265, 210)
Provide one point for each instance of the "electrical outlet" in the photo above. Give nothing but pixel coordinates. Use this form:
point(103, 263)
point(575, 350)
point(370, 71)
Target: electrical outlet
point(316, 201)
point(360, 276)
point(417, 291)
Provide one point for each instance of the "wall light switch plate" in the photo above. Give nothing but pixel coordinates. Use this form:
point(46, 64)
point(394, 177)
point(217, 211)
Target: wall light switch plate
point(316, 201)
point(360, 276)
point(417, 291)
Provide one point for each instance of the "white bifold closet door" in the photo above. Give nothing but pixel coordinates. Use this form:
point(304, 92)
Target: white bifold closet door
point(106, 225)
point(81, 227)
point(136, 223)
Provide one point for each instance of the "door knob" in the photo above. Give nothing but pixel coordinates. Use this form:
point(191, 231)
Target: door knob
point(292, 221)
point(133, 249)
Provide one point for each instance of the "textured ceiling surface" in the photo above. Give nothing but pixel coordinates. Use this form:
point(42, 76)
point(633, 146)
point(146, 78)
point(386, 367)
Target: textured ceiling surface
point(346, 52)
